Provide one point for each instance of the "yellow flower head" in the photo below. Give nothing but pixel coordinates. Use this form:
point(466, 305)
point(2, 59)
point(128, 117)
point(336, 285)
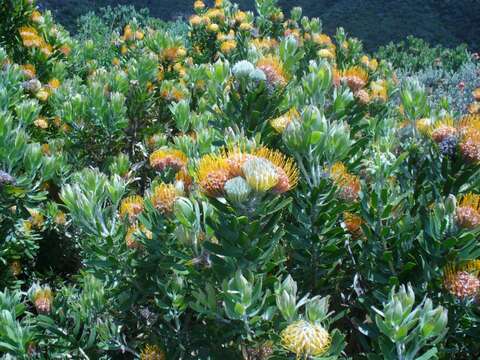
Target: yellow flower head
point(127, 32)
point(46, 49)
point(195, 20)
point(355, 77)
point(476, 94)
point(353, 223)
point(322, 39)
point(16, 267)
point(326, 54)
point(36, 16)
point(286, 169)
point(54, 84)
point(168, 158)
point(43, 298)
point(349, 184)
point(132, 233)
point(163, 197)
point(474, 108)
point(305, 339)
point(379, 90)
point(152, 352)
point(131, 206)
point(29, 70)
point(273, 69)
point(198, 5)
point(30, 37)
point(281, 123)
point(212, 174)
point(41, 123)
point(227, 46)
point(42, 94)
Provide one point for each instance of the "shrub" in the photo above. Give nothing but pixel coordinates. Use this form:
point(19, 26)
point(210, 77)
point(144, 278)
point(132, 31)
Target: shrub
point(249, 189)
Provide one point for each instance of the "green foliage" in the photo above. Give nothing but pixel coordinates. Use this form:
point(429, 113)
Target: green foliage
point(240, 186)
point(416, 54)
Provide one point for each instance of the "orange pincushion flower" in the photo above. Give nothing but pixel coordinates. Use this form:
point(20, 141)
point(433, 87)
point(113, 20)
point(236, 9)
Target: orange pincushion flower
point(462, 280)
point(442, 130)
point(30, 37)
point(132, 233)
point(43, 298)
point(163, 197)
point(152, 352)
point(213, 172)
point(379, 90)
point(353, 224)
point(131, 206)
point(41, 123)
point(273, 69)
point(322, 39)
point(29, 70)
point(168, 158)
point(227, 46)
point(476, 94)
point(355, 77)
point(36, 16)
point(15, 267)
point(65, 50)
point(470, 145)
point(349, 184)
point(468, 213)
point(474, 108)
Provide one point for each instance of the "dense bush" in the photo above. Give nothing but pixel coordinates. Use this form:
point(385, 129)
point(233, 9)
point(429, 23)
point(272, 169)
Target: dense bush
point(416, 54)
point(248, 189)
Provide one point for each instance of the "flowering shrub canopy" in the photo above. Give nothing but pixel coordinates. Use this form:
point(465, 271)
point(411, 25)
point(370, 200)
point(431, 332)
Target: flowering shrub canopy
point(251, 188)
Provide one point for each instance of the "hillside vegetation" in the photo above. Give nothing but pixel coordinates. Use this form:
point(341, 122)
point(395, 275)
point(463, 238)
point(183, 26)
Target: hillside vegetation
point(376, 22)
point(235, 186)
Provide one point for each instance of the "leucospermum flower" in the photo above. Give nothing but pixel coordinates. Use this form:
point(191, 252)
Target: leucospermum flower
point(16, 267)
point(280, 123)
point(29, 71)
point(227, 46)
point(353, 224)
point(41, 123)
point(349, 184)
point(163, 197)
point(305, 339)
point(445, 134)
point(152, 352)
point(42, 299)
point(262, 169)
point(213, 172)
point(30, 37)
point(132, 233)
point(476, 94)
point(274, 72)
point(379, 90)
point(468, 211)
point(131, 206)
point(355, 78)
point(260, 174)
point(286, 169)
point(462, 280)
point(168, 158)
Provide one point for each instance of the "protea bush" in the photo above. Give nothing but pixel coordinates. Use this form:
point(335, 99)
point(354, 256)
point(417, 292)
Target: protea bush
point(251, 188)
